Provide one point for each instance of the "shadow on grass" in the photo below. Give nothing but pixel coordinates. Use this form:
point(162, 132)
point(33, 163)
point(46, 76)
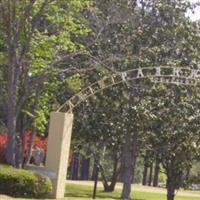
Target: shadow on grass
point(82, 191)
point(99, 195)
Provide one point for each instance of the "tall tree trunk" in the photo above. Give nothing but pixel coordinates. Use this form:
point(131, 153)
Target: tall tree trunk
point(134, 167)
point(156, 173)
point(173, 177)
point(18, 151)
point(13, 75)
point(104, 179)
point(94, 171)
point(170, 189)
point(150, 174)
point(75, 167)
point(85, 169)
point(33, 133)
point(11, 119)
point(115, 173)
point(127, 180)
point(145, 172)
point(20, 141)
point(10, 148)
point(188, 174)
point(30, 147)
point(127, 167)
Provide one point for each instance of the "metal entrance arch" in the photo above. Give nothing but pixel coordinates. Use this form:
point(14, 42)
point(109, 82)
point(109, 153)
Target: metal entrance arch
point(61, 121)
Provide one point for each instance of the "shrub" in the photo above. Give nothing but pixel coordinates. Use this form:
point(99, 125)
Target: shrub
point(23, 183)
point(3, 141)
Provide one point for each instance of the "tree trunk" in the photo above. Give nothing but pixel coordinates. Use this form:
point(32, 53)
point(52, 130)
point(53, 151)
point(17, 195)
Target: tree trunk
point(188, 174)
point(85, 169)
point(133, 170)
point(150, 175)
point(13, 72)
point(170, 190)
point(104, 179)
point(20, 141)
point(173, 177)
point(30, 147)
point(115, 173)
point(146, 167)
point(75, 167)
point(33, 133)
point(10, 149)
point(18, 152)
point(11, 124)
point(112, 185)
point(127, 167)
point(145, 172)
point(94, 171)
point(156, 173)
point(127, 180)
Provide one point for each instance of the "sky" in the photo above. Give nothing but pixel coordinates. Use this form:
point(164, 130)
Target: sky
point(196, 15)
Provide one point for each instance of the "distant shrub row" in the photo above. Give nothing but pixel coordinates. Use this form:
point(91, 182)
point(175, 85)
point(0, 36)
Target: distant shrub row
point(23, 183)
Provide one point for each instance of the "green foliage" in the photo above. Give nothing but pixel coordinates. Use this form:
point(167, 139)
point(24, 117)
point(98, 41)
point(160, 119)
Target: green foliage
point(138, 171)
point(194, 174)
point(162, 178)
point(74, 83)
point(175, 131)
point(22, 183)
point(163, 120)
point(143, 33)
point(44, 34)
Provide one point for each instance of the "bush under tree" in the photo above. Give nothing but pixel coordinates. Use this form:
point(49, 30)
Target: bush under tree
point(23, 183)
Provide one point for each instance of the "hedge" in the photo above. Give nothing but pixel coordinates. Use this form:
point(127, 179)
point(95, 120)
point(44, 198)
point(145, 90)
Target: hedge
point(23, 183)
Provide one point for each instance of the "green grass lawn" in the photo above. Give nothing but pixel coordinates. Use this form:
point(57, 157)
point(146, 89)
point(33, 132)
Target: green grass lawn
point(78, 192)
point(82, 192)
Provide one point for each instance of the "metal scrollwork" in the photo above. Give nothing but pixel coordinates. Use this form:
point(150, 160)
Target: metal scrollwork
point(158, 74)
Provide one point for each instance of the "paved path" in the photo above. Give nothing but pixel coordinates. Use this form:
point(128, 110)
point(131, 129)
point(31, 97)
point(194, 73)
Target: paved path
point(139, 188)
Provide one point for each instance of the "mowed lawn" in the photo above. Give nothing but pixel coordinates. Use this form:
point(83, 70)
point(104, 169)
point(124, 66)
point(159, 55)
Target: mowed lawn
point(84, 192)
point(78, 192)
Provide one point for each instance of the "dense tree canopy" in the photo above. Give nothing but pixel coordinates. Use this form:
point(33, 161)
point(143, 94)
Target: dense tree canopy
point(34, 41)
point(51, 49)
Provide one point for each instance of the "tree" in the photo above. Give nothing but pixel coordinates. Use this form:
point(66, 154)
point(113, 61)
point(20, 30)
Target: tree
point(152, 33)
point(177, 126)
point(121, 117)
point(127, 34)
point(94, 123)
point(33, 42)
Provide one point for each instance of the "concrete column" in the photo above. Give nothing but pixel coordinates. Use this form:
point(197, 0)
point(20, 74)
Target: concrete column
point(59, 139)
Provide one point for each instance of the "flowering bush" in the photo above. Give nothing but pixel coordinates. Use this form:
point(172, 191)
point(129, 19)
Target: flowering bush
point(3, 141)
point(38, 142)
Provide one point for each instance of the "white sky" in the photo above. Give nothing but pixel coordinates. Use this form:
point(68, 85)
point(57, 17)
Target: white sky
point(196, 15)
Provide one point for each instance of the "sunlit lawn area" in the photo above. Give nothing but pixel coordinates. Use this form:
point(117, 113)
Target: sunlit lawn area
point(76, 192)
point(84, 192)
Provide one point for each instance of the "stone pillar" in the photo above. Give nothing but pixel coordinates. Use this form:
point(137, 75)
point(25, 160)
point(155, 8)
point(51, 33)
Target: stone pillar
point(59, 139)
